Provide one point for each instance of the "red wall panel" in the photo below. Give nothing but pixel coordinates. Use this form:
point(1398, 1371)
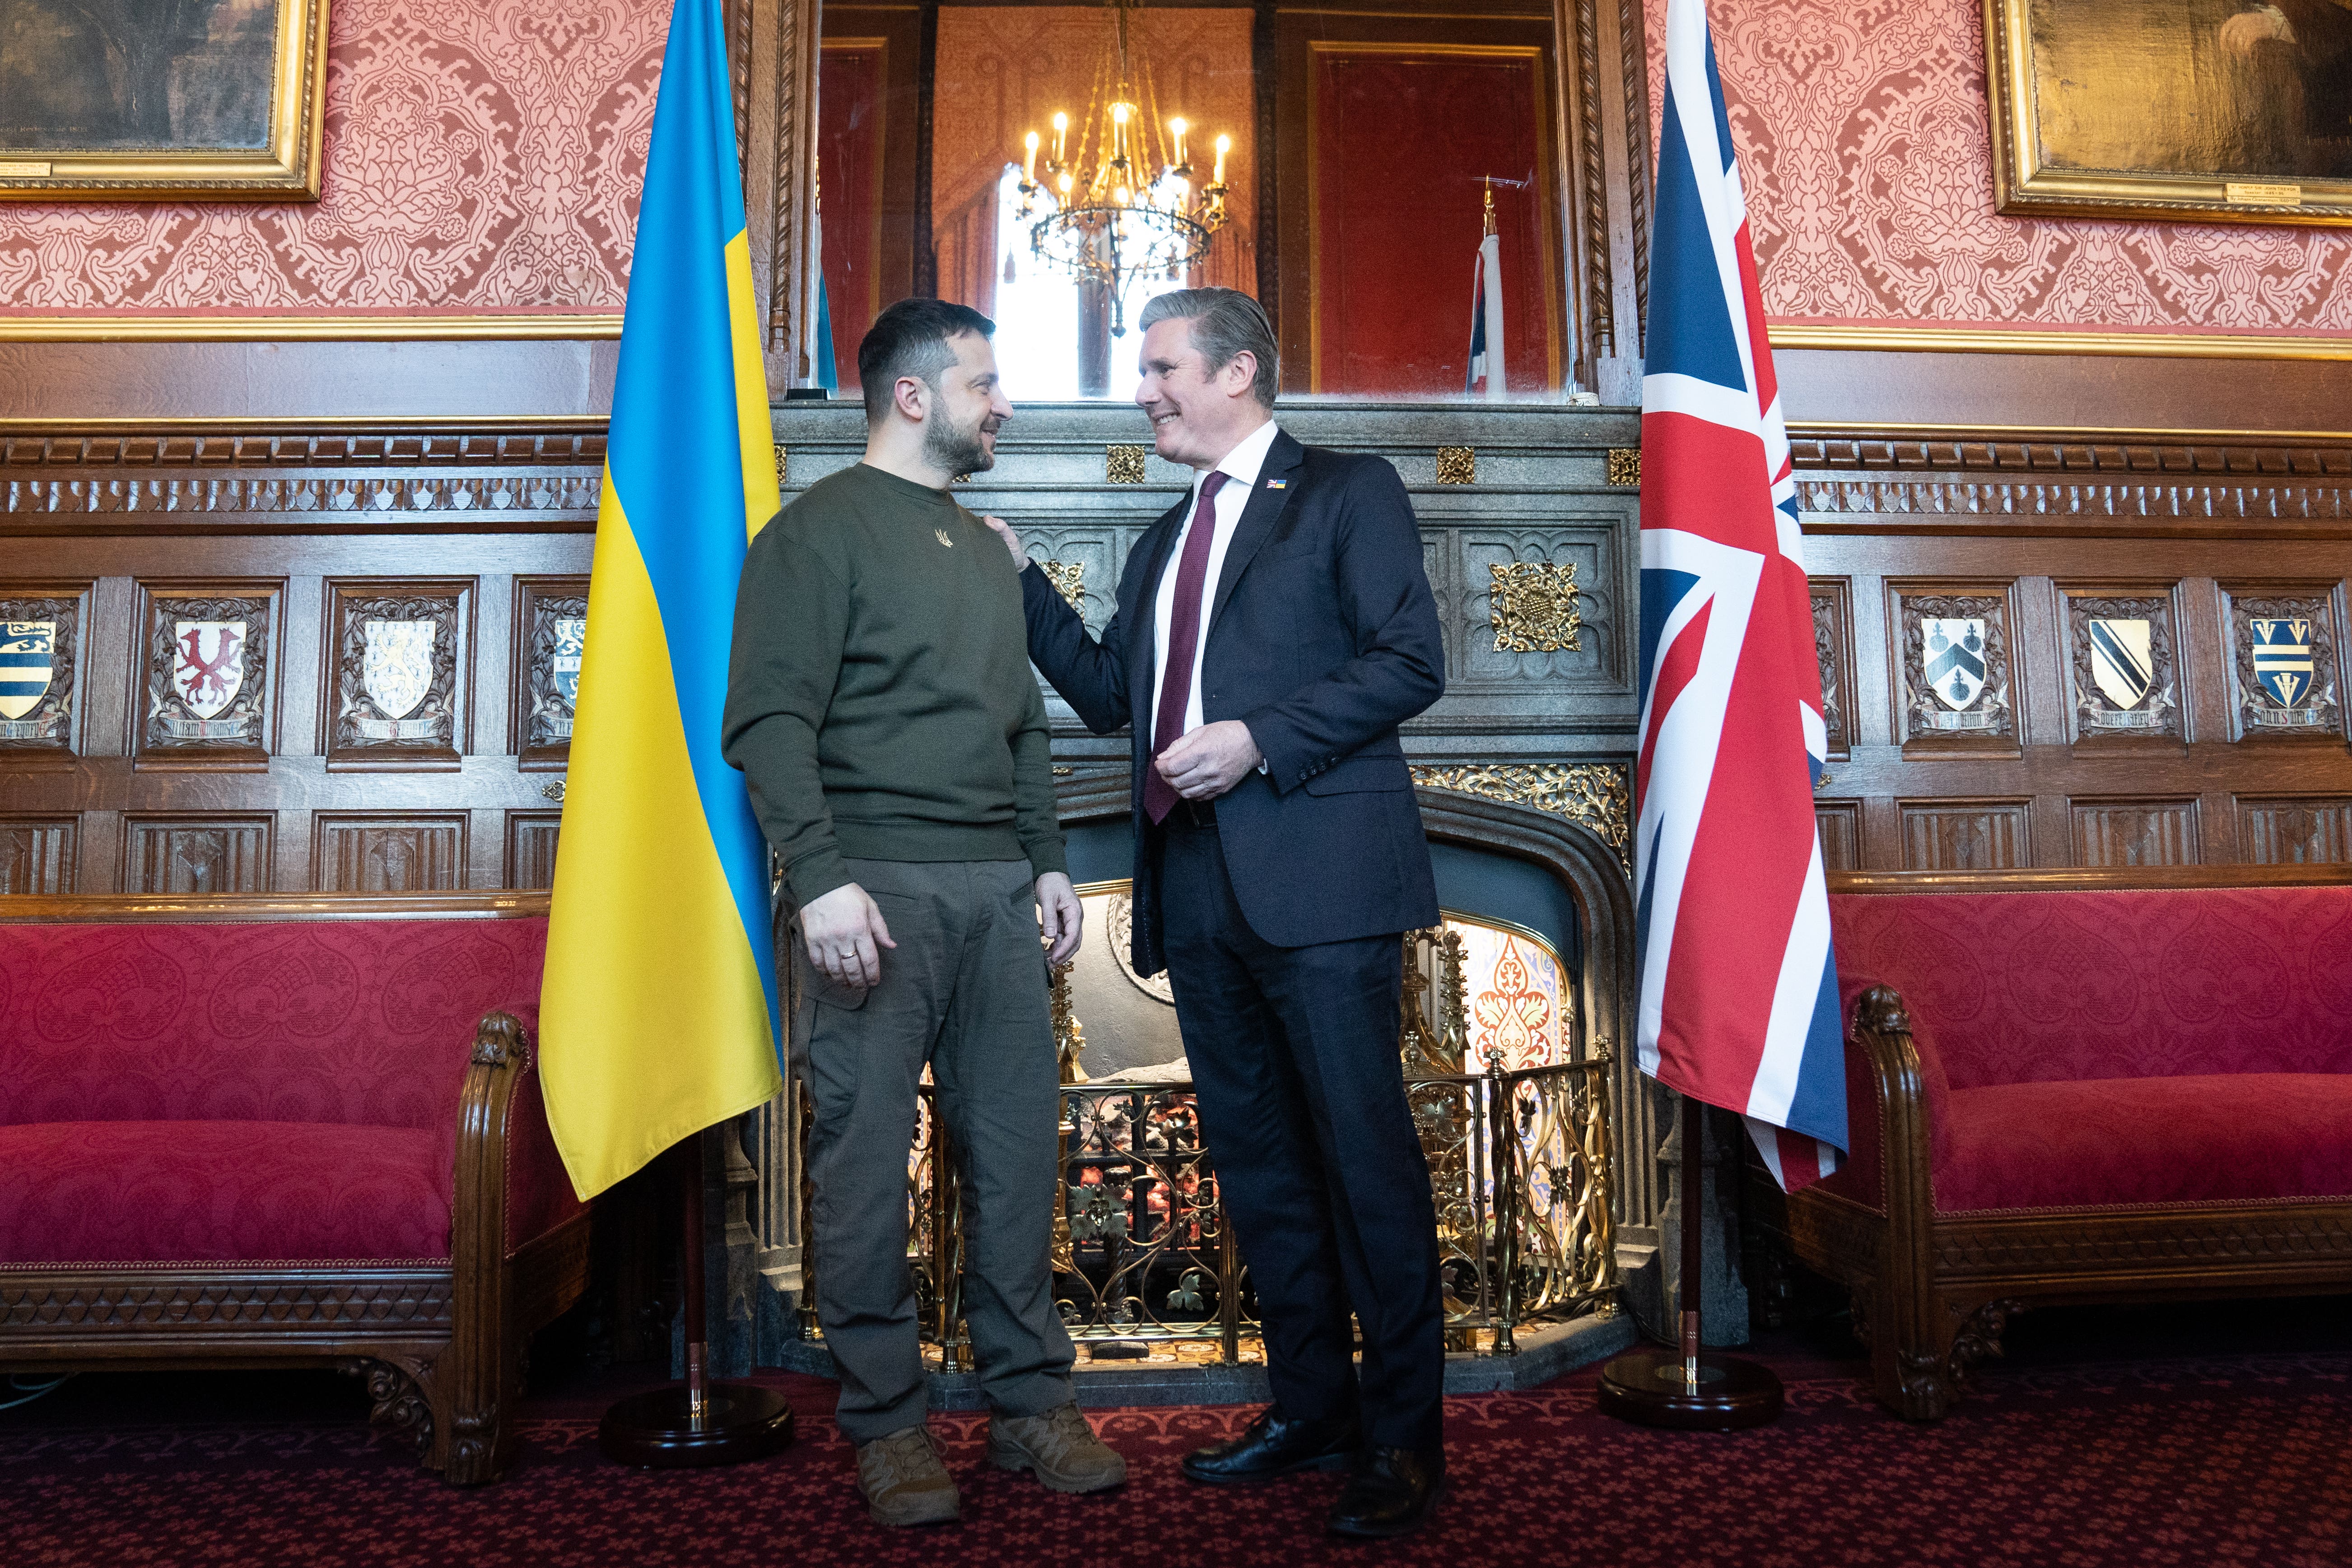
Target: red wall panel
point(1403, 137)
point(852, 84)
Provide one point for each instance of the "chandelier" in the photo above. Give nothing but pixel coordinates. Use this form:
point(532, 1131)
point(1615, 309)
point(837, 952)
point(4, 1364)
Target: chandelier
point(1120, 203)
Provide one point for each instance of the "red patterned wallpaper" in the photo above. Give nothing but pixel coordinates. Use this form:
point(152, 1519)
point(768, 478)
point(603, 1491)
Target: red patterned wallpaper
point(1865, 139)
point(482, 157)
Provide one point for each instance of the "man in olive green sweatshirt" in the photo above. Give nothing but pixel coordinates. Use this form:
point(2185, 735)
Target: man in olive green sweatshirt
point(880, 705)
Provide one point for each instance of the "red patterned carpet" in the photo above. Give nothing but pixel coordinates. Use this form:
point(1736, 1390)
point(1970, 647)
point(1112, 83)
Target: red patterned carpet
point(2236, 1453)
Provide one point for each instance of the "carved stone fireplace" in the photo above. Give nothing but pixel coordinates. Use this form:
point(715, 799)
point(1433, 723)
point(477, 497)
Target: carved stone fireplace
point(1529, 521)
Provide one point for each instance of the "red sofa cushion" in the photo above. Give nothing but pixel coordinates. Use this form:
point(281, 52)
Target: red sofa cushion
point(362, 1022)
point(219, 1192)
point(2045, 987)
point(2221, 1139)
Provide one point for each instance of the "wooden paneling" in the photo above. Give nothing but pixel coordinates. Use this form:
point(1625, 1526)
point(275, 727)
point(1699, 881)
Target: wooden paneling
point(2061, 392)
point(199, 855)
point(2038, 533)
point(1965, 835)
point(2310, 831)
point(2111, 833)
point(530, 847)
point(1841, 824)
point(37, 856)
point(303, 531)
point(360, 854)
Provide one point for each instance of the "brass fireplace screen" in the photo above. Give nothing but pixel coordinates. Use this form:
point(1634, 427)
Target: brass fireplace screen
point(1146, 1265)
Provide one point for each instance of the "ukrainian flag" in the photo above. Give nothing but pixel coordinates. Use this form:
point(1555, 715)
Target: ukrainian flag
point(659, 1015)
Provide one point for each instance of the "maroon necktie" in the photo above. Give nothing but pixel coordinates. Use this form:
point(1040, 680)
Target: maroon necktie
point(1159, 797)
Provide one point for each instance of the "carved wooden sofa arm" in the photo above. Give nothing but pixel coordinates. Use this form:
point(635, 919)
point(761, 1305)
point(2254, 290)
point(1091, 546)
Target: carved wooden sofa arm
point(1872, 1227)
point(496, 1165)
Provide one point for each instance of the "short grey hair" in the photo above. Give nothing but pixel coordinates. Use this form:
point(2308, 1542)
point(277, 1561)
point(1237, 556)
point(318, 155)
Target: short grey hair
point(1226, 322)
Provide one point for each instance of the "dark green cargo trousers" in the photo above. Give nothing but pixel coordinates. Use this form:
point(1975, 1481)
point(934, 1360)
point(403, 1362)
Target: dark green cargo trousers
point(965, 992)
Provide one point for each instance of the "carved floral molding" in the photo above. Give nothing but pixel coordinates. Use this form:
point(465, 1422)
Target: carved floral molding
point(1596, 796)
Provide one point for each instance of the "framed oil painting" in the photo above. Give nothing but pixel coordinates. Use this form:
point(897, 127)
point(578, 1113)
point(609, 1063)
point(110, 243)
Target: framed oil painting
point(2211, 110)
point(156, 99)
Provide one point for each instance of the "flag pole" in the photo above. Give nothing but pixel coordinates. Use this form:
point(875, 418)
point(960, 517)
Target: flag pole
point(695, 1422)
point(1685, 1387)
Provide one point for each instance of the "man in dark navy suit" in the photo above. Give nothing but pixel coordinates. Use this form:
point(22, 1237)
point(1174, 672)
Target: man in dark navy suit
point(1272, 632)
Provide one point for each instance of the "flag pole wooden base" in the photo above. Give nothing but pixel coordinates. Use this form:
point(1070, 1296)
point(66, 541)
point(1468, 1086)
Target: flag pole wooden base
point(697, 1422)
point(1685, 1388)
point(656, 1430)
point(1652, 1387)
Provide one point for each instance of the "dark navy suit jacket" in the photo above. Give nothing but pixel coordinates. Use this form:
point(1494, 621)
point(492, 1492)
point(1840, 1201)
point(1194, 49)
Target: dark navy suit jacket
point(1323, 638)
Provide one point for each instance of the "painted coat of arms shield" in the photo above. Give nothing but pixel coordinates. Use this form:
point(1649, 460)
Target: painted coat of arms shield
point(2123, 666)
point(1954, 661)
point(207, 664)
point(27, 652)
point(571, 643)
point(2282, 662)
point(396, 669)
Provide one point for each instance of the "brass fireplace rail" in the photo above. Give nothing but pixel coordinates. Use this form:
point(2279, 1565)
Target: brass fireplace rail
point(1144, 1255)
point(1143, 1252)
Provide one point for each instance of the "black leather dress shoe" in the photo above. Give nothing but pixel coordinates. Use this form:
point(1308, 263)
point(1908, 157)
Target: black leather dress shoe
point(1391, 1493)
point(1273, 1446)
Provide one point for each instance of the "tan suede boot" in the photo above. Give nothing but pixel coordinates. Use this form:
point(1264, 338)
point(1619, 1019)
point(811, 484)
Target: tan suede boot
point(904, 1481)
point(1059, 1448)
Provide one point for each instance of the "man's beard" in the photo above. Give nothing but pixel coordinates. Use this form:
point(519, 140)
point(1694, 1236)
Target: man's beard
point(957, 451)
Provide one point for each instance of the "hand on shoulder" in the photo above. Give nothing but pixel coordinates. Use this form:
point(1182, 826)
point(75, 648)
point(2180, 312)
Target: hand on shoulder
point(1011, 542)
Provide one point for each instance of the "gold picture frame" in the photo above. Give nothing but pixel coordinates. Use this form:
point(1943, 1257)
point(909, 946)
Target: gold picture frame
point(163, 140)
point(2205, 110)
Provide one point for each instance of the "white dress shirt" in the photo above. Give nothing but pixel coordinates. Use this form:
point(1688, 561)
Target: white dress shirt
point(1242, 466)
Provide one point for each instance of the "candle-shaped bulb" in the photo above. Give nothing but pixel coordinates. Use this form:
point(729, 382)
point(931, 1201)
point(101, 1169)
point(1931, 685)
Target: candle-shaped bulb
point(1225, 145)
point(1177, 125)
point(1029, 164)
point(1061, 133)
point(1065, 184)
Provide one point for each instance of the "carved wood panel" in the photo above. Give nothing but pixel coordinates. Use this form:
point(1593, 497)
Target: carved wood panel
point(210, 675)
point(37, 855)
point(1966, 836)
point(551, 624)
point(1840, 822)
point(378, 854)
point(530, 847)
point(2134, 832)
point(42, 629)
point(399, 679)
point(2282, 660)
point(2294, 831)
point(2123, 656)
point(1833, 648)
point(199, 855)
point(1954, 696)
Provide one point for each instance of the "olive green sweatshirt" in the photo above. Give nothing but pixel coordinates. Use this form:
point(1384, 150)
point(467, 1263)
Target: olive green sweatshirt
point(879, 698)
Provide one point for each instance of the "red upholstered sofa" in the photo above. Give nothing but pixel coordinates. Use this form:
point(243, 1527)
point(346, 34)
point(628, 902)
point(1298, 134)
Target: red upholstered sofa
point(2082, 1086)
point(239, 1131)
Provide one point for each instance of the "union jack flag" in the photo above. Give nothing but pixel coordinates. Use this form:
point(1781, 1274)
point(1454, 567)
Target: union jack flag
point(1739, 993)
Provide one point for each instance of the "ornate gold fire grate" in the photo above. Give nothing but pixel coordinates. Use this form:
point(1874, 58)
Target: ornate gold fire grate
point(1145, 1261)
